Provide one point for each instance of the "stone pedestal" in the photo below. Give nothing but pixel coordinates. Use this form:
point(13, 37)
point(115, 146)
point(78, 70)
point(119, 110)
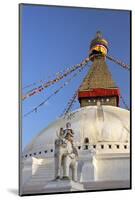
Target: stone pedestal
point(64, 185)
point(54, 186)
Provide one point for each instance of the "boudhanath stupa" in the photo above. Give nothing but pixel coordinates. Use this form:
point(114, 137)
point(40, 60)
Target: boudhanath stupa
point(99, 154)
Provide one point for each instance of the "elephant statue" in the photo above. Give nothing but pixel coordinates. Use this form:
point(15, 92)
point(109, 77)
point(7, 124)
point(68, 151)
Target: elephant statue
point(65, 154)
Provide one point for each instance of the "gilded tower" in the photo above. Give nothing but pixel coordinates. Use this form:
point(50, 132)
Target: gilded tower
point(98, 85)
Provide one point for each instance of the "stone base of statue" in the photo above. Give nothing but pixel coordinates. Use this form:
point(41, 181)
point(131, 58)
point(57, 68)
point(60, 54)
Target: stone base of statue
point(54, 186)
point(63, 185)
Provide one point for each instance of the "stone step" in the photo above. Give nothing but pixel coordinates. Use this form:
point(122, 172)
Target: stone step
point(43, 178)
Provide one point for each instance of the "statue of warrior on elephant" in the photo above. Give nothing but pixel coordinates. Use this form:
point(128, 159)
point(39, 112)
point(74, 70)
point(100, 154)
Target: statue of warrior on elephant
point(65, 154)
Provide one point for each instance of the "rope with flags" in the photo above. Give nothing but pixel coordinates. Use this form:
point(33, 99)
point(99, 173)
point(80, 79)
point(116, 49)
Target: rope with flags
point(72, 101)
point(69, 104)
point(55, 92)
point(55, 80)
point(124, 103)
point(122, 64)
point(43, 80)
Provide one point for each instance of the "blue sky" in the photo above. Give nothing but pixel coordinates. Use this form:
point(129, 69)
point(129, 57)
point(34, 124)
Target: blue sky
point(54, 38)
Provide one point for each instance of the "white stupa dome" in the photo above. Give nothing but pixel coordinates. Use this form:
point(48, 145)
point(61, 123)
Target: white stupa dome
point(98, 124)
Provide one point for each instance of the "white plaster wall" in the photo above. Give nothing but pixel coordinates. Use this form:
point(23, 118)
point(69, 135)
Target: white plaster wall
point(87, 173)
point(112, 168)
point(27, 170)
